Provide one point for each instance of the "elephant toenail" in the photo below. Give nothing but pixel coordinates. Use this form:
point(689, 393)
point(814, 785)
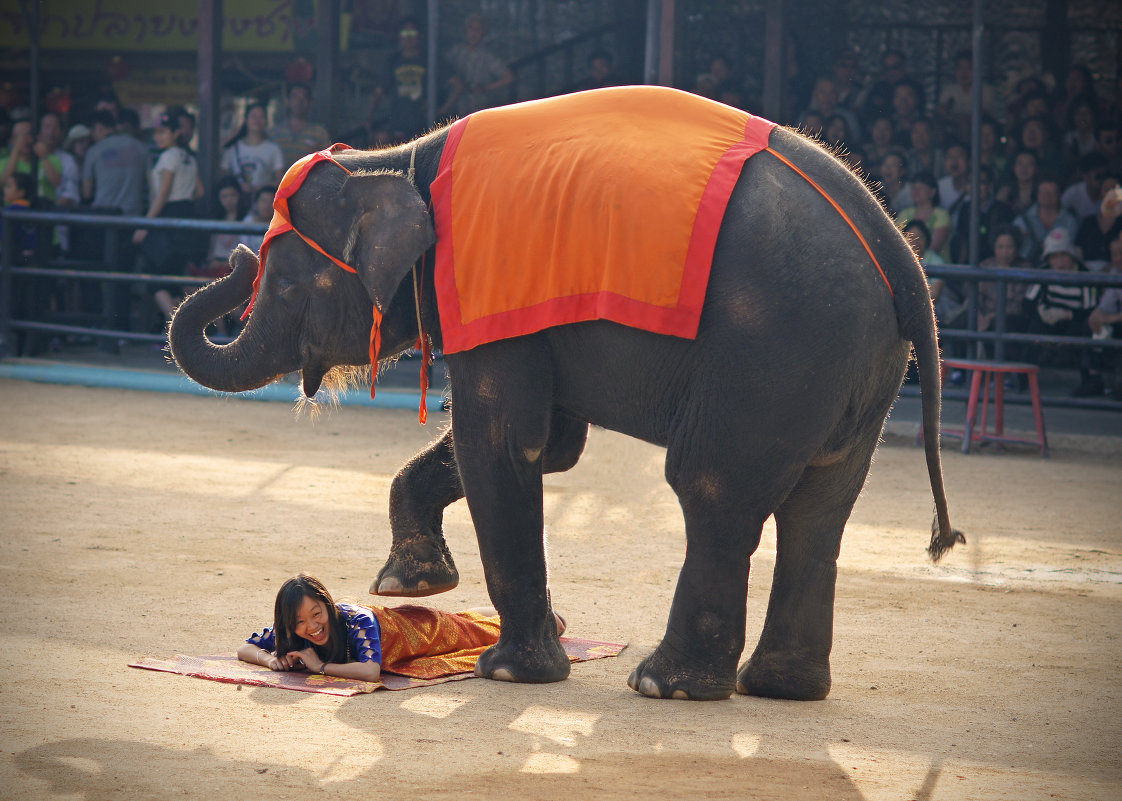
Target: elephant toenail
point(388, 586)
point(648, 688)
point(680, 695)
point(502, 674)
point(740, 688)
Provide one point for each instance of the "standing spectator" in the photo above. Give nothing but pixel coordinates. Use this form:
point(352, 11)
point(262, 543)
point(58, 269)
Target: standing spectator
point(1082, 199)
point(184, 126)
point(128, 123)
point(956, 101)
point(923, 156)
point(115, 170)
point(926, 209)
point(20, 149)
point(1043, 217)
point(992, 214)
point(19, 193)
point(1019, 189)
point(895, 190)
point(297, 135)
point(1096, 232)
point(602, 72)
point(175, 184)
point(77, 144)
point(250, 156)
point(400, 100)
point(476, 72)
point(50, 137)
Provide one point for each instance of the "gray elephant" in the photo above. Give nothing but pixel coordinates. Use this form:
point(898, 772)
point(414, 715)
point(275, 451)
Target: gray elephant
point(806, 308)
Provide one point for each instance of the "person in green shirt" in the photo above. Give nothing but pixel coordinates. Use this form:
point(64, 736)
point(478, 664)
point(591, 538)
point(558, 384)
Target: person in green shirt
point(21, 146)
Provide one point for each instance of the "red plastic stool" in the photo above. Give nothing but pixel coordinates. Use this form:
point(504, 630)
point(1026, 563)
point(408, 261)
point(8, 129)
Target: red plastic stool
point(982, 375)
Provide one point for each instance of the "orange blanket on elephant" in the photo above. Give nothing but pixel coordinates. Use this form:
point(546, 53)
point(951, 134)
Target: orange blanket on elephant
point(427, 643)
point(596, 205)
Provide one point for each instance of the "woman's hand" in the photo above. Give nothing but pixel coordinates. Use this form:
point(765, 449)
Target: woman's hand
point(139, 235)
point(308, 657)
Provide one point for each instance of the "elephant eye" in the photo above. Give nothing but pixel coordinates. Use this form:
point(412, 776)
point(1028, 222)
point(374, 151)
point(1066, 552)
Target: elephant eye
point(284, 286)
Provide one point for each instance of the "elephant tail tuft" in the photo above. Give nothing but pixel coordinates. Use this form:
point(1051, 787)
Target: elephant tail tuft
point(943, 538)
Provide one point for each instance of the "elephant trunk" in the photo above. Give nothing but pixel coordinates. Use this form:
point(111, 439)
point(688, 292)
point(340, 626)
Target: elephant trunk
point(246, 363)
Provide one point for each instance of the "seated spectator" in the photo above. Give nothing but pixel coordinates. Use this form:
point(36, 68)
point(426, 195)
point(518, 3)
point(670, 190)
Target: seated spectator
point(1036, 135)
point(895, 190)
point(1077, 86)
point(729, 89)
point(250, 156)
point(876, 100)
point(601, 72)
point(1107, 141)
point(229, 206)
point(955, 182)
point(1026, 87)
point(1043, 217)
point(824, 99)
point(926, 209)
point(1006, 255)
point(907, 103)
point(1019, 187)
point(21, 146)
point(1105, 321)
point(260, 212)
point(19, 193)
point(1095, 233)
point(1083, 199)
point(922, 154)
point(1062, 310)
point(1080, 134)
point(993, 155)
point(811, 124)
point(881, 142)
point(992, 214)
point(948, 308)
point(836, 133)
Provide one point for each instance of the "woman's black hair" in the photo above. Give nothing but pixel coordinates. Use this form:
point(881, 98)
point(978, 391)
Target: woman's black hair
point(921, 226)
point(291, 594)
point(927, 178)
point(228, 182)
point(242, 131)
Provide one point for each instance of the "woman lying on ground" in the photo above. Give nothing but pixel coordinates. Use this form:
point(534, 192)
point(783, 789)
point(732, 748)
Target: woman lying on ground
point(353, 641)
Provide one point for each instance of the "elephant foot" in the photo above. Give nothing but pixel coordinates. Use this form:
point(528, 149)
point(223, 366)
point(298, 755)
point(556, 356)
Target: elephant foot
point(546, 663)
point(404, 574)
point(779, 675)
point(659, 676)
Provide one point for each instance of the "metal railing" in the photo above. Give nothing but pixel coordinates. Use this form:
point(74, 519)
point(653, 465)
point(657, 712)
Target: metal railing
point(107, 269)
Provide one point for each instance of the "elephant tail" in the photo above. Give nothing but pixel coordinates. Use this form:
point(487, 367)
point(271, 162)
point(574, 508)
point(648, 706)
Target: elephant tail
point(919, 327)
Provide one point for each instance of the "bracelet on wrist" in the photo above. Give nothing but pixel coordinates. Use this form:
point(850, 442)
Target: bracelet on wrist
point(323, 668)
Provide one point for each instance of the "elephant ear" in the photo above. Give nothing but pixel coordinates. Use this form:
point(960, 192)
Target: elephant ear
point(392, 230)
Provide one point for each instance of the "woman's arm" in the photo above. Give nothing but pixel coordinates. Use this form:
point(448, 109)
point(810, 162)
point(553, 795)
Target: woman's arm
point(159, 200)
point(255, 655)
point(362, 671)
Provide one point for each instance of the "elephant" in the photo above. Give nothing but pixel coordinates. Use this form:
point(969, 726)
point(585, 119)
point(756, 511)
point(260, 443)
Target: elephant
point(773, 408)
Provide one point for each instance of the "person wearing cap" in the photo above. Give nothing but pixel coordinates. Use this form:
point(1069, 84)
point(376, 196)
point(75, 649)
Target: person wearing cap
point(1064, 310)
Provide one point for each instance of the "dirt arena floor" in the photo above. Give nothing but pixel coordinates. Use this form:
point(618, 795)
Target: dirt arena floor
point(139, 525)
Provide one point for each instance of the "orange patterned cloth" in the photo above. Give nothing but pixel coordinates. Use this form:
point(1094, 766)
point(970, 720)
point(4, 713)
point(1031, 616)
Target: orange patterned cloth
point(595, 205)
point(428, 643)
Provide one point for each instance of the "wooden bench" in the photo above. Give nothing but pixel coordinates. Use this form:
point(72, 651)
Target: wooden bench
point(983, 374)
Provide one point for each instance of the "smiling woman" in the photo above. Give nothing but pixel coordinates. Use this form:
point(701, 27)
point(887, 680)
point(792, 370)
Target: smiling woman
point(313, 632)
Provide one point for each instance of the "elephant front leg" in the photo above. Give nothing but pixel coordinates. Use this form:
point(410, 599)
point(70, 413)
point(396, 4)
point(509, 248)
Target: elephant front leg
point(419, 562)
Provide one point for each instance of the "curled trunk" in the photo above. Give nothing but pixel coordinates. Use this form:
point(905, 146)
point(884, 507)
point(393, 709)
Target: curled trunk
point(248, 362)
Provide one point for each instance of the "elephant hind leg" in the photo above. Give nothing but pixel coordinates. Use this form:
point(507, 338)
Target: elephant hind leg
point(792, 658)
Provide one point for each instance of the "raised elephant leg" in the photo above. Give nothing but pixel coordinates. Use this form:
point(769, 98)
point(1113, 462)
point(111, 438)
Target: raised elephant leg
point(419, 562)
point(501, 418)
point(792, 659)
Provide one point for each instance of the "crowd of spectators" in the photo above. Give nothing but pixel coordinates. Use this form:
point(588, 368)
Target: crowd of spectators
point(1050, 166)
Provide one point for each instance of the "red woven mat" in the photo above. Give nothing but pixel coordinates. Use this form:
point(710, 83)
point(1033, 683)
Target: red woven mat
point(230, 669)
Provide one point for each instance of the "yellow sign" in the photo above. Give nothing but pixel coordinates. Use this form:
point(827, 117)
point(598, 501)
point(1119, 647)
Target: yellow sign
point(131, 25)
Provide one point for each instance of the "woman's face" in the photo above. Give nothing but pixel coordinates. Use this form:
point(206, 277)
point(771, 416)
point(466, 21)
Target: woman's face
point(163, 137)
point(1005, 250)
point(921, 192)
point(312, 622)
point(263, 206)
point(1048, 194)
point(890, 169)
point(256, 120)
point(1033, 135)
point(882, 132)
point(228, 196)
point(1024, 167)
point(835, 131)
point(921, 136)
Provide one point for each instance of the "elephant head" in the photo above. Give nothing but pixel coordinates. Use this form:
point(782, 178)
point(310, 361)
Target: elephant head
point(355, 235)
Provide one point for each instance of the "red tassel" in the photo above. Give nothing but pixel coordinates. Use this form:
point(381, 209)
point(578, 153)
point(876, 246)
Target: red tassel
point(426, 360)
point(375, 346)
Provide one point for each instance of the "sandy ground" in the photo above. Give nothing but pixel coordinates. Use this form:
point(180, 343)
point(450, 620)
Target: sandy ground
point(143, 525)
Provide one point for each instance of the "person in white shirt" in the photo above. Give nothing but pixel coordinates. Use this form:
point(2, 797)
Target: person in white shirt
point(251, 156)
